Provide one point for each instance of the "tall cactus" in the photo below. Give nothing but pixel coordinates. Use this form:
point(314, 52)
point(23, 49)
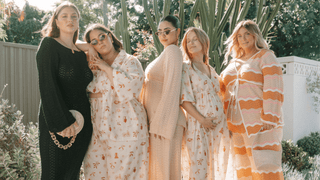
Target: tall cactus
point(124, 30)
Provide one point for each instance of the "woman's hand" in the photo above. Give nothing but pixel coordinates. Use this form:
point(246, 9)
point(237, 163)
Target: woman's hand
point(266, 126)
point(207, 123)
point(98, 62)
point(103, 66)
point(69, 131)
point(92, 53)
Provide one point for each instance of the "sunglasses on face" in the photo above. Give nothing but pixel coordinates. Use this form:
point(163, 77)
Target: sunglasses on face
point(166, 32)
point(101, 38)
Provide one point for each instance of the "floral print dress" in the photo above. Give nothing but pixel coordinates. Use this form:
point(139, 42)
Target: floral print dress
point(120, 140)
point(205, 154)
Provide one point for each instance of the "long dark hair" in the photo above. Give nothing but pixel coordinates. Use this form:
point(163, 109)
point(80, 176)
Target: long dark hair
point(51, 28)
point(116, 43)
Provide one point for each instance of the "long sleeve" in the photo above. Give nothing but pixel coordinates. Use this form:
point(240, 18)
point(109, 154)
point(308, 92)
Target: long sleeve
point(54, 109)
point(272, 89)
point(186, 86)
point(128, 79)
point(167, 113)
point(222, 93)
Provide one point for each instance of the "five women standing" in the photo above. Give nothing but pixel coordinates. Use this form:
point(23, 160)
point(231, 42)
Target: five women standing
point(251, 87)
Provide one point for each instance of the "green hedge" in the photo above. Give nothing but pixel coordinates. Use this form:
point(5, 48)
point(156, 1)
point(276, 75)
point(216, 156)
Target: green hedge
point(19, 148)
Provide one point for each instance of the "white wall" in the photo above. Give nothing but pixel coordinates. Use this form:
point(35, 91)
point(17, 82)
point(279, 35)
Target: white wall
point(299, 115)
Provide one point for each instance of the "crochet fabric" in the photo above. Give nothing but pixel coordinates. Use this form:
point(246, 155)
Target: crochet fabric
point(63, 79)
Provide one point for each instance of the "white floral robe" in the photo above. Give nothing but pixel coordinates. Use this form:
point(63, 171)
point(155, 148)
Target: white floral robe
point(120, 140)
point(205, 155)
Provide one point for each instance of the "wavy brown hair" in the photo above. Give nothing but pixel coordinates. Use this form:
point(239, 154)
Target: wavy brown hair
point(204, 41)
point(51, 28)
point(233, 48)
point(116, 43)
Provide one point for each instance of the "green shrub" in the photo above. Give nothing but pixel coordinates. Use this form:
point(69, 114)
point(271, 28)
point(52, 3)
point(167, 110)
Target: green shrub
point(292, 174)
point(19, 148)
point(310, 144)
point(308, 174)
point(314, 172)
point(294, 156)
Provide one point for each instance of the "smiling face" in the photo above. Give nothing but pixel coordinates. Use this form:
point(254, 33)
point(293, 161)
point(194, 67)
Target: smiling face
point(68, 20)
point(193, 44)
point(172, 37)
point(246, 39)
point(104, 41)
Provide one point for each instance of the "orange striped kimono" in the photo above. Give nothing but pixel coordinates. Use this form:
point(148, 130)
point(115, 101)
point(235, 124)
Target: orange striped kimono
point(253, 94)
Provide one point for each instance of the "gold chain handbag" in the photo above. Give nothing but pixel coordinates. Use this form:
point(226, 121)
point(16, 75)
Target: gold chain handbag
point(80, 120)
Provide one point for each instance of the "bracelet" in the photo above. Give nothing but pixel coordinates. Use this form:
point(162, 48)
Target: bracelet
point(64, 147)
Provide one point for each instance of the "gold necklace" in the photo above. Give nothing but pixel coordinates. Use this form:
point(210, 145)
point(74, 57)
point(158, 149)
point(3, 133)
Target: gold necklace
point(65, 44)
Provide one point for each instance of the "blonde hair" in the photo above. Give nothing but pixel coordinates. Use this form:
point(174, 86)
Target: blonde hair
point(51, 28)
point(204, 41)
point(233, 48)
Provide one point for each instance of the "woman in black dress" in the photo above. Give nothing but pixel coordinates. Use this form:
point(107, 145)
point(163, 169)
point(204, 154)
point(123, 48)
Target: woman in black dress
point(63, 78)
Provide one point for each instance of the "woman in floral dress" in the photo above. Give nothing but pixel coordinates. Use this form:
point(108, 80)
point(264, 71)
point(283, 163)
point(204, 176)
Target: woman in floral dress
point(207, 136)
point(120, 140)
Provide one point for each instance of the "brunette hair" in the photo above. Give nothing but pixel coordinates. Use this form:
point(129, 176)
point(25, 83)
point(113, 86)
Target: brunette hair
point(233, 48)
point(51, 28)
point(204, 41)
point(174, 20)
point(116, 43)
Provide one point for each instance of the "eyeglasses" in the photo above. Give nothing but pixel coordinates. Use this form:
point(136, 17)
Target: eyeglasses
point(101, 38)
point(166, 32)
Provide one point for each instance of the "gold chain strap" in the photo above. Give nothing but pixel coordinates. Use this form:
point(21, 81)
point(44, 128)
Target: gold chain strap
point(64, 147)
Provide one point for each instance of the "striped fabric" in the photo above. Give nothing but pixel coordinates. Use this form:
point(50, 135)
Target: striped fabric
point(251, 98)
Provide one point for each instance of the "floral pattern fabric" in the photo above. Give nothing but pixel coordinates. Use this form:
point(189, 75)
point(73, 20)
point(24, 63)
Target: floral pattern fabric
point(120, 141)
point(205, 155)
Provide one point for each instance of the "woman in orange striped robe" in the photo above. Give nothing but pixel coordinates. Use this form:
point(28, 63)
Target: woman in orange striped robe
point(252, 88)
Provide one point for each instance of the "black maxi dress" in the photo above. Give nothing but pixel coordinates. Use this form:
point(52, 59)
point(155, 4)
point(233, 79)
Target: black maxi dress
point(63, 79)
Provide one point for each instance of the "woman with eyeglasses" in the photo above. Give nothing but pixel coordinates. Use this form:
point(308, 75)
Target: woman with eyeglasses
point(160, 96)
point(207, 135)
point(63, 78)
point(120, 140)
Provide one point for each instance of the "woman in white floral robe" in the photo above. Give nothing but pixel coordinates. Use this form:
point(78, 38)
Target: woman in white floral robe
point(120, 140)
point(207, 140)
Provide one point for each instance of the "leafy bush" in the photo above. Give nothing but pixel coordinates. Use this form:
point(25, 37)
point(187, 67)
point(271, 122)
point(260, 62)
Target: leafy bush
point(313, 88)
point(310, 174)
point(292, 174)
point(19, 148)
point(314, 172)
point(294, 156)
point(145, 51)
point(296, 29)
point(310, 144)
